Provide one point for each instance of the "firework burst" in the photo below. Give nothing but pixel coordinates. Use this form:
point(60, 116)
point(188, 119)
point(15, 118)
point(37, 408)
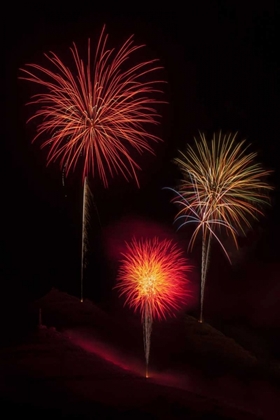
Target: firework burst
point(222, 188)
point(96, 112)
point(101, 109)
point(152, 277)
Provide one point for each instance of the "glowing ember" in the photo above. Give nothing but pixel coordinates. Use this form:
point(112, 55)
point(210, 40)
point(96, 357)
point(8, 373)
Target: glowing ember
point(153, 279)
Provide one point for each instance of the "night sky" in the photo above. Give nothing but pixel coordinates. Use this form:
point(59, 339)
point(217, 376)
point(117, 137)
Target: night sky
point(221, 64)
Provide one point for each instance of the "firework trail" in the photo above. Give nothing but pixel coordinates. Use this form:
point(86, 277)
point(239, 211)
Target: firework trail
point(152, 277)
point(87, 198)
point(222, 188)
point(98, 111)
point(147, 331)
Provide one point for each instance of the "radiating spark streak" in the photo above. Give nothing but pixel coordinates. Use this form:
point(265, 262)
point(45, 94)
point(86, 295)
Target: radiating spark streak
point(200, 221)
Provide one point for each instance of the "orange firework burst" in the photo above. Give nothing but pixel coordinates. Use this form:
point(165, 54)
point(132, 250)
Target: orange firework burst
point(153, 274)
point(100, 110)
point(153, 279)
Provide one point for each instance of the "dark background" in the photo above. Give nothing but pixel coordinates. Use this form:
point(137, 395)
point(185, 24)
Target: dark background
point(221, 62)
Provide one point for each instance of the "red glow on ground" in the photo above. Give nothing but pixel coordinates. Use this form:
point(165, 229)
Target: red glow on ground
point(126, 362)
point(254, 396)
point(105, 352)
point(192, 381)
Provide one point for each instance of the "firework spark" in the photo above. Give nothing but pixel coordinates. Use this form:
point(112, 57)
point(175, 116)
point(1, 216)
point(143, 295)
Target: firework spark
point(222, 187)
point(100, 110)
point(97, 112)
point(152, 278)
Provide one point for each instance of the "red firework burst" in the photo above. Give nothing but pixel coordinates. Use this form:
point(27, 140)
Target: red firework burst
point(153, 277)
point(100, 110)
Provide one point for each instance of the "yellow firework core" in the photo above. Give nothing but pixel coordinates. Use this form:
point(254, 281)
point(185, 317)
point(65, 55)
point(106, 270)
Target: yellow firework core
point(153, 276)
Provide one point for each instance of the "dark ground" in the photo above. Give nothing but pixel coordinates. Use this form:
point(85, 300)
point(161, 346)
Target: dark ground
point(92, 366)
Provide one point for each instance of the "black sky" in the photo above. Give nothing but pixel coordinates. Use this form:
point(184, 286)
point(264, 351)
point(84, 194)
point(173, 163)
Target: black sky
point(221, 62)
